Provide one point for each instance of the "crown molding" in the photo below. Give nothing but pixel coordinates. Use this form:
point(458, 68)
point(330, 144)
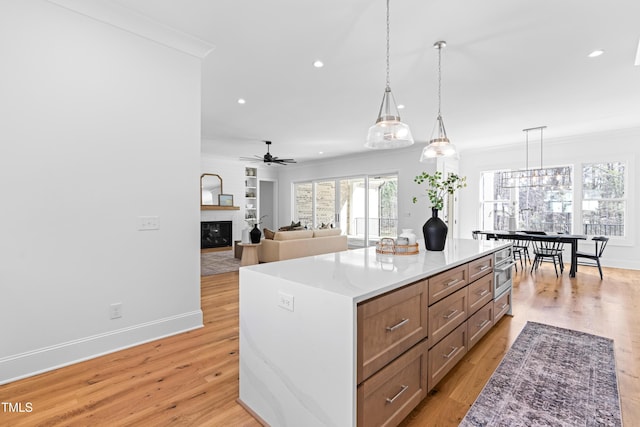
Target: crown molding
point(114, 14)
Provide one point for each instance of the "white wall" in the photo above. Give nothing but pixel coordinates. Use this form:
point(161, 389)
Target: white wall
point(611, 146)
point(99, 126)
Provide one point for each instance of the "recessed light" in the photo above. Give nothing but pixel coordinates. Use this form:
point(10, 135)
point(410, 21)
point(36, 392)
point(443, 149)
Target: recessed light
point(400, 106)
point(241, 101)
point(596, 53)
point(318, 64)
point(320, 152)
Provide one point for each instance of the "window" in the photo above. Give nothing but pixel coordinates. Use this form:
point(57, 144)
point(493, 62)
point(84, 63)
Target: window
point(604, 200)
point(364, 207)
point(541, 200)
point(303, 203)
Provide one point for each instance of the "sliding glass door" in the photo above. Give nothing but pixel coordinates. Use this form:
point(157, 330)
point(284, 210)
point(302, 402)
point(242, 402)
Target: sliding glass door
point(365, 208)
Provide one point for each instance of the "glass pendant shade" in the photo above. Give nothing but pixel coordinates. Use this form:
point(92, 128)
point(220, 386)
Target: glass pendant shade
point(389, 131)
point(439, 144)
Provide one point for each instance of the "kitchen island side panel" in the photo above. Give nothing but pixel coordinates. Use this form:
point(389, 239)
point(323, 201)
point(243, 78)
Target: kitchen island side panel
point(296, 367)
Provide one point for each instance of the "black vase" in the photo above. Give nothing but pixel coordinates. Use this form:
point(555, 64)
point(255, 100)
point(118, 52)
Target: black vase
point(435, 232)
point(255, 234)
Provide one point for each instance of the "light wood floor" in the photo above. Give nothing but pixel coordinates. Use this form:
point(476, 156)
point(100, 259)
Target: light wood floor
point(192, 379)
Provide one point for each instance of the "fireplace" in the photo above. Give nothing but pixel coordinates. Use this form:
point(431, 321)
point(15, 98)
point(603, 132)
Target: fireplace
point(215, 234)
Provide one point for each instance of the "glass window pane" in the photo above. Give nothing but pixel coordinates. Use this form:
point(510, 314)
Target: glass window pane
point(603, 180)
point(325, 203)
point(603, 218)
point(383, 207)
point(534, 199)
point(303, 207)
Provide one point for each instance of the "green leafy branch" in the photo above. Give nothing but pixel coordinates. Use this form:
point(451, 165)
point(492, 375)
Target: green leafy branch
point(437, 187)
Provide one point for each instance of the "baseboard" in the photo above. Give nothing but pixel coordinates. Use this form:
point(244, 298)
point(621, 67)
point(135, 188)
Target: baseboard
point(45, 359)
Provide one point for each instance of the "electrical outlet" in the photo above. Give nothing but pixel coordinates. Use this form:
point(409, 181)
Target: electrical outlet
point(148, 223)
point(285, 301)
point(115, 310)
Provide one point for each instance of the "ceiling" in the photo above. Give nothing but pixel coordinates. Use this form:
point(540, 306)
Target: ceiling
point(508, 65)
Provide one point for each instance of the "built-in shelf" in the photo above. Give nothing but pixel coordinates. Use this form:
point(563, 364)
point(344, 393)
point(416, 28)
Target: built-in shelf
point(219, 208)
point(251, 193)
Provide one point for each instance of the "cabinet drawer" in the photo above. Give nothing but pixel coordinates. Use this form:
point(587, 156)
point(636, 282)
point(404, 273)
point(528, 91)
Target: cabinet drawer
point(446, 354)
point(388, 325)
point(479, 324)
point(480, 293)
point(480, 267)
point(388, 396)
point(501, 306)
point(447, 314)
point(447, 282)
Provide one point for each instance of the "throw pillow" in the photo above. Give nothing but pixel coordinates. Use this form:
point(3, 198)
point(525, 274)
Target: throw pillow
point(293, 226)
point(268, 234)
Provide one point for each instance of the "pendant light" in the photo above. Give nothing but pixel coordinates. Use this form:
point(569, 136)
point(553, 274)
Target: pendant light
point(439, 145)
point(535, 177)
point(389, 131)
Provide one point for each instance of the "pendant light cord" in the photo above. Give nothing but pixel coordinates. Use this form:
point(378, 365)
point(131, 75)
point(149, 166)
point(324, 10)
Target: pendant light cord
point(388, 80)
point(439, 77)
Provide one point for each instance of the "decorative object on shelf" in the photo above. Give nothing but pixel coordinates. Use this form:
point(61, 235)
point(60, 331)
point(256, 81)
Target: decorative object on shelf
point(389, 131)
point(439, 145)
point(268, 158)
point(225, 199)
point(435, 230)
point(535, 177)
point(386, 246)
point(409, 235)
point(245, 235)
point(255, 234)
point(401, 246)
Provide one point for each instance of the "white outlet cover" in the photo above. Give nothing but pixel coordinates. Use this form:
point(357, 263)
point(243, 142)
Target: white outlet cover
point(285, 301)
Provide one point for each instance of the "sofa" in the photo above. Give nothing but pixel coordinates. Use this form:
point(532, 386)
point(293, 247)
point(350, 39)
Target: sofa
point(300, 243)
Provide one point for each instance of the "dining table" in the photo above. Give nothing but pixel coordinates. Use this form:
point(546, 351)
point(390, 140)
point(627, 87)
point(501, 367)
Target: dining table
point(543, 236)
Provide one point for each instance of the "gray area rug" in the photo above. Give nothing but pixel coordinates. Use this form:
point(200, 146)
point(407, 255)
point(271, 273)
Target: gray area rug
point(218, 262)
point(551, 377)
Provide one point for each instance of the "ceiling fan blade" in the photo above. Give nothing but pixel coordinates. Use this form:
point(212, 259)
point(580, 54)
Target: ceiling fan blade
point(252, 159)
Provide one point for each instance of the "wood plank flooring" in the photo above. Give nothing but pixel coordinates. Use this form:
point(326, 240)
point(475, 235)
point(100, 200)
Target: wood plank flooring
point(192, 379)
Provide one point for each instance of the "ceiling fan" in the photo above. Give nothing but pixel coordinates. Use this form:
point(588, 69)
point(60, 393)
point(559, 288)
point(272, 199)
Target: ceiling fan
point(268, 158)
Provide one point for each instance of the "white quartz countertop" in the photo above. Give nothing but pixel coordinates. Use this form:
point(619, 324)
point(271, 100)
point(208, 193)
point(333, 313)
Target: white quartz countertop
point(361, 274)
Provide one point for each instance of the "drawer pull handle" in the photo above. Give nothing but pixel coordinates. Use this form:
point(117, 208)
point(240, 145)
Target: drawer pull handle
point(394, 327)
point(453, 350)
point(481, 324)
point(483, 292)
point(451, 283)
point(450, 315)
point(402, 390)
point(484, 267)
point(503, 306)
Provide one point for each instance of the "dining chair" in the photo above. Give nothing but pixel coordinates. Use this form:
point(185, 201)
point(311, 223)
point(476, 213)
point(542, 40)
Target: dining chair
point(601, 243)
point(548, 249)
point(521, 252)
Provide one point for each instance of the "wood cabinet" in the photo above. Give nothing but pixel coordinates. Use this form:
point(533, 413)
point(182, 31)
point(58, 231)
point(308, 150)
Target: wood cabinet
point(410, 338)
point(502, 305)
point(447, 314)
point(389, 325)
point(387, 397)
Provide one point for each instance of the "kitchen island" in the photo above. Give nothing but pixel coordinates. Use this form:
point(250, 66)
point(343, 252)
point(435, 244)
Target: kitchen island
point(324, 339)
